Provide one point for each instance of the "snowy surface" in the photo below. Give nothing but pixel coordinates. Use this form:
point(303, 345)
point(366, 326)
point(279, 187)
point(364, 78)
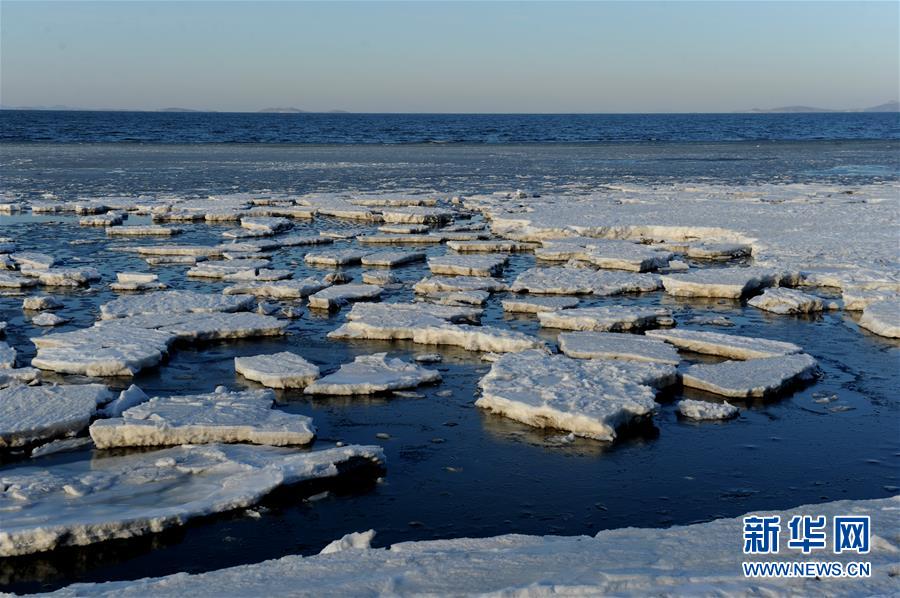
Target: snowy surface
point(338, 257)
point(143, 231)
point(533, 305)
point(618, 255)
point(48, 319)
point(391, 259)
point(586, 397)
point(285, 289)
point(751, 378)
point(607, 345)
point(787, 301)
point(339, 295)
point(127, 399)
point(616, 318)
point(169, 302)
point(245, 416)
point(41, 302)
point(368, 374)
point(486, 246)
point(729, 283)
point(882, 318)
point(706, 410)
point(278, 370)
point(724, 345)
point(467, 265)
point(84, 502)
point(458, 297)
point(437, 284)
point(30, 414)
point(583, 281)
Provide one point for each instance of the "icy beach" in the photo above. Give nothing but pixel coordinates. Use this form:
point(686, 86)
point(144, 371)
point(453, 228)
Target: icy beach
point(198, 379)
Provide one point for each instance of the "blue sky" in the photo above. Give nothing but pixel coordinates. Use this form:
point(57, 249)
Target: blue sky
point(450, 56)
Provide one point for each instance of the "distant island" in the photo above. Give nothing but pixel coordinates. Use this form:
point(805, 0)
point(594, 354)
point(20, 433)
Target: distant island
point(292, 110)
point(886, 107)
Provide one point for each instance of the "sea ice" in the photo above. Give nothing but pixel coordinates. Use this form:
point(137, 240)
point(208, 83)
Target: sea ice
point(603, 253)
point(724, 345)
point(266, 225)
point(340, 295)
point(16, 281)
point(403, 229)
point(7, 356)
point(882, 318)
point(533, 305)
point(141, 231)
point(278, 370)
point(128, 398)
point(458, 297)
point(706, 410)
point(579, 281)
point(30, 414)
point(369, 374)
point(221, 269)
point(730, 283)
point(718, 251)
point(391, 259)
point(174, 302)
point(586, 397)
point(49, 319)
point(381, 279)
point(33, 260)
point(417, 215)
point(41, 302)
point(609, 345)
point(467, 265)
point(244, 416)
point(616, 318)
point(439, 284)
point(83, 502)
point(787, 301)
point(383, 239)
point(64, 277)
point(338, 257)
point(751, 378)
point(286, 289)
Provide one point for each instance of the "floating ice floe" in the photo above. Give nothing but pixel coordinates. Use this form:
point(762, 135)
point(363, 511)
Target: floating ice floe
point(33, 260)
point(341, 257)
point(166, 260)
point(403, 229)
point(14, 376)
point(63, 445)
point(286, 289)
point(458, 297)
point(85, 502)
point(425, 326)
point(617, 255)
point(222, 269)
point(221, 416)
point(143, 231)
point(179, 250)
point(616, 318)
point(718, 251)
point(467, 265)
point(41, 303)
point(583, 281)
point(533, 305)
point(729, 283)
point(857, 298)
point(258, 275)
point(706, 410)
point(369, 374)
point(586, 397)
point(381, 279)
point(384, 239)
point(109, 219)
point(30, 414)
point(174, 302)
point(882, 318)
point(439, 284)
point(278, 370)
point(7, 356)
point(787, 301)
point(16, 281)
point(611, 345)
point(267, 225)
point(487, 246)
point(64, 277)
point(751, 378)
point(137, 281)
point(417, 215)
point(49, 319)
point(724, 345)
point(193, 327)
point(391, 259)
point(128, 398)
point(337, 296)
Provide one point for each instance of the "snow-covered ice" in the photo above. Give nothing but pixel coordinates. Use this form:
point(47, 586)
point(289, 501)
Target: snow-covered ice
point(339, 295)
point(611, 345)
point(604, 253)
point(41, 302)
point(487, 246)
point(7, 356)
point(127, 399)
point(438, 284)
point(30, 414)
point(368, 374)
point(787, 301)
point(338, 257)
point(706, 410)
point(882, 318)
point(751, 378)
point(458, 297)
point(616, 318)
point(586, 397)
point(467, 265)
point(285, 289)
point(84, 502)
point(391, 259)
point(729, 283)
point(583, 281)
point(278, 370)
point(174, 302)
point(33, 260)
point(533, 305)
point(353, 541)
point(242, 416)
point(64, 277)
point(49, 319)
point(143, 231)
point(724, 345)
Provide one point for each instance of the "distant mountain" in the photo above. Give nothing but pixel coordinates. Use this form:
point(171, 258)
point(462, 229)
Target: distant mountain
point(180, 110)
point(283, 110)
point(886, 107)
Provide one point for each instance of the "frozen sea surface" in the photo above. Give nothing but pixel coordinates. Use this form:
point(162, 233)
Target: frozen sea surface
point(454, 470)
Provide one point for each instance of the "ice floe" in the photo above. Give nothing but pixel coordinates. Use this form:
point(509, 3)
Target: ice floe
point(339, 295)
point(439, 284)
point(618, 255)
point(533, 305)
point(882, 318)
point(137, 281)
point(81, 503)
point(391, 259)
point(787, 301)
point(724, 345)
point(143, 231)
point(730, 283)
point(751, 378)
point(582, 281)
point(339, 257)
point(286, 289)
point(64, 277)
point(16, 281)
point(7, 356)
point(706, 410)
point(467, 265)
point(458, 297)
point(221, 416)
point(616, 318)
point(127, 399)
point(487, 246)
point(369, 374)
point(33, 260)
point(278, 370)
point(173, 302)
point(41, 302)
point(30, 414)
point(49, 319)
point(610, 345)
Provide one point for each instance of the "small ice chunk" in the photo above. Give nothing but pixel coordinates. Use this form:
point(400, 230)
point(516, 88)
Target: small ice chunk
point(589, 398)
point(583, 281)
point(136, 277)
point(285, 289)
point(354, 541)
point(257, 275)
point(706, 410)
point(382, 239)
point(7, 356)
point(278, 370)
point(220, 269)
point(127, 399)
point(882, 318)
point(33, 260)
point(438, 284)
point(268, 226)
point(369, 374)
point(730, 283)
point(458, 297)
point(41, 302)
point(16, 281)
point(30, 414)
point(718, 251)
point(417, 215)
point(487, 246)
point(391, 259)
point(786, 301)
point(141, 231)
point(341, 257)
point(381, 279)
point(858, 298)
point(49, 319)
point(724, 345)
point(429, 358)
point(615, 318)
point(245, 416)
point(196, 251)
point(751, 378)
point(64, 445)
point(403, 229)
point(608, 345)
point(533, 305)
point(340, 295)
point(64, 277)
point(467, 265)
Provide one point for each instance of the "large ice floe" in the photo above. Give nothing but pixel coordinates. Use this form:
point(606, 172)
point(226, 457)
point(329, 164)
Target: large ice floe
point(467, 265)
point(339, 295)
point(278, 370)
point(169, 302)
point(283, 289)
point(693, 560)
point(583, 281)
point(532, 305)
point(610, 345)
point(438, 284)
point(221, 416)
point(724, 345)
point(615, 318)
point(30, 414)
point(751, 378)
point(590, 398)
point(369, 374)
point(729, 283)
point(882, 318)
point(391, 259)
point(338, 257)
point(787, 301)
point(427, 324)
point(617, 255)
point(81, 503)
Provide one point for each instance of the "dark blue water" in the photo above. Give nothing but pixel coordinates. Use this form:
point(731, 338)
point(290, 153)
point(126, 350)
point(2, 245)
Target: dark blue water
point(206, 127)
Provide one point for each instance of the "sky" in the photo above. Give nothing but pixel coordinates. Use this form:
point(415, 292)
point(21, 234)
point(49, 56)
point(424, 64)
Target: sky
point(450, 56)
